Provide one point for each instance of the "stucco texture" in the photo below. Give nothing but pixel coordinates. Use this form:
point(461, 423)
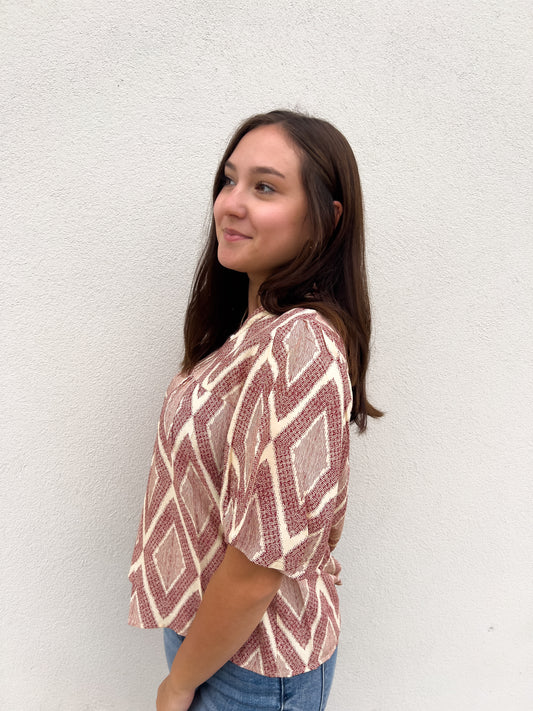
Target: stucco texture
point(114, 115)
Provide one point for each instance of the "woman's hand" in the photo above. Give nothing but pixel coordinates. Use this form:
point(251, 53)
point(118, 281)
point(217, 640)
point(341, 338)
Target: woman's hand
point(169, 699)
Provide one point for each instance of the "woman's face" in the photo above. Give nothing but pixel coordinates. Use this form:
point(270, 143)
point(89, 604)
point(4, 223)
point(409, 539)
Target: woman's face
point(261, 212)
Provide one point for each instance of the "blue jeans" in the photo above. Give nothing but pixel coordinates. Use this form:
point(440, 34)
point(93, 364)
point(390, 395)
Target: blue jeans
point(233, 688)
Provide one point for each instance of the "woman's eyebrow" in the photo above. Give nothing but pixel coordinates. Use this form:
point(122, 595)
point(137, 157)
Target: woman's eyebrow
point(258, 169)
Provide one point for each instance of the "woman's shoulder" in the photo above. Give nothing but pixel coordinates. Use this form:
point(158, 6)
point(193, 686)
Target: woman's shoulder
point(300, 329)
point(309, 323)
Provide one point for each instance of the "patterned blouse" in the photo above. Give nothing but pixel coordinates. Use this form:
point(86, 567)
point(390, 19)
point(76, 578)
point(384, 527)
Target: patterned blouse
point(252, 450)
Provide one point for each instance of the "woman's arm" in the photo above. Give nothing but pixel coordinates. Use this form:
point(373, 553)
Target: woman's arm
point(234, 602)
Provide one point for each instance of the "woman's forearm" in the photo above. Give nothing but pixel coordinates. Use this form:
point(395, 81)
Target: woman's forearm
point(233, 604)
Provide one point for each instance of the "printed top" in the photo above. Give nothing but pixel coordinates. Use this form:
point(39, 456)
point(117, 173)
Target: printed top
point(252, 450)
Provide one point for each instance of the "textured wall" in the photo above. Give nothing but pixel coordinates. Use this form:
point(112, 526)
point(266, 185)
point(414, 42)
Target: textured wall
point(114, 115)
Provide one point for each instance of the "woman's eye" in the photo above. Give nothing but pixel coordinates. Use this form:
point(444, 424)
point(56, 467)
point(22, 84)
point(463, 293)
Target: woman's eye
point(226, 180)
point(264, 188)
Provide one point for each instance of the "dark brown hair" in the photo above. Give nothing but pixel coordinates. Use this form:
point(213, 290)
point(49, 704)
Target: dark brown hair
point(329, 274)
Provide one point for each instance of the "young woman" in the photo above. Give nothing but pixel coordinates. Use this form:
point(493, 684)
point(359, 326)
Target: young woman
point(247, 488)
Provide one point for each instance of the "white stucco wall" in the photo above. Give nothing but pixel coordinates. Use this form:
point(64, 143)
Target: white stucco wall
point(113, 117)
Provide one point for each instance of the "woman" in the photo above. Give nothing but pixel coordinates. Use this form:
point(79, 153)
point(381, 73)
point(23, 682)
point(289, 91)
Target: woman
point(247, 489)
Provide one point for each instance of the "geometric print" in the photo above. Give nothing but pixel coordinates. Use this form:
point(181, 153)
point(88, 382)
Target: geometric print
point(252, 451)
point(168, 559)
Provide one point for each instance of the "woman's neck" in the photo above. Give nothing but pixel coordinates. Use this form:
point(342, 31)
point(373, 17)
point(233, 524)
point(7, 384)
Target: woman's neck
point(253, 298)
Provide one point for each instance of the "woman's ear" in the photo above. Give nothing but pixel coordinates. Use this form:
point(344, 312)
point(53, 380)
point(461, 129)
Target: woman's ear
point(338, 211)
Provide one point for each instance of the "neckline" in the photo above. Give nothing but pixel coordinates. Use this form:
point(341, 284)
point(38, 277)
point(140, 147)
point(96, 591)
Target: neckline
point(249, 317)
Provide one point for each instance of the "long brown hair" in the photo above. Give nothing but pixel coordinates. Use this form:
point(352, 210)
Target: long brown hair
point(329, 274)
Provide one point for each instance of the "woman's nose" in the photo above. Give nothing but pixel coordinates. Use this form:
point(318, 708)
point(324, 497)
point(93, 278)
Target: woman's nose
point(234, 201)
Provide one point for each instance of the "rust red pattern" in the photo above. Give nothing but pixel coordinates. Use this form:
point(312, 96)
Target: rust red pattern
point(252, 450)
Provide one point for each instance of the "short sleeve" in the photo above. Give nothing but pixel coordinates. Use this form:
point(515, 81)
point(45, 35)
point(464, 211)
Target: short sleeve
point(286, 455)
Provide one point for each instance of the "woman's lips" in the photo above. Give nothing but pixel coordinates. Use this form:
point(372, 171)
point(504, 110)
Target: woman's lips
point(234, 235)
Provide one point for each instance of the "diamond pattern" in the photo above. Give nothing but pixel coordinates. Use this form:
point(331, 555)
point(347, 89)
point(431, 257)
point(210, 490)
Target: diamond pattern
point(199, 507)
point(252, 451)
point(313, 446)
point(168, 559)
